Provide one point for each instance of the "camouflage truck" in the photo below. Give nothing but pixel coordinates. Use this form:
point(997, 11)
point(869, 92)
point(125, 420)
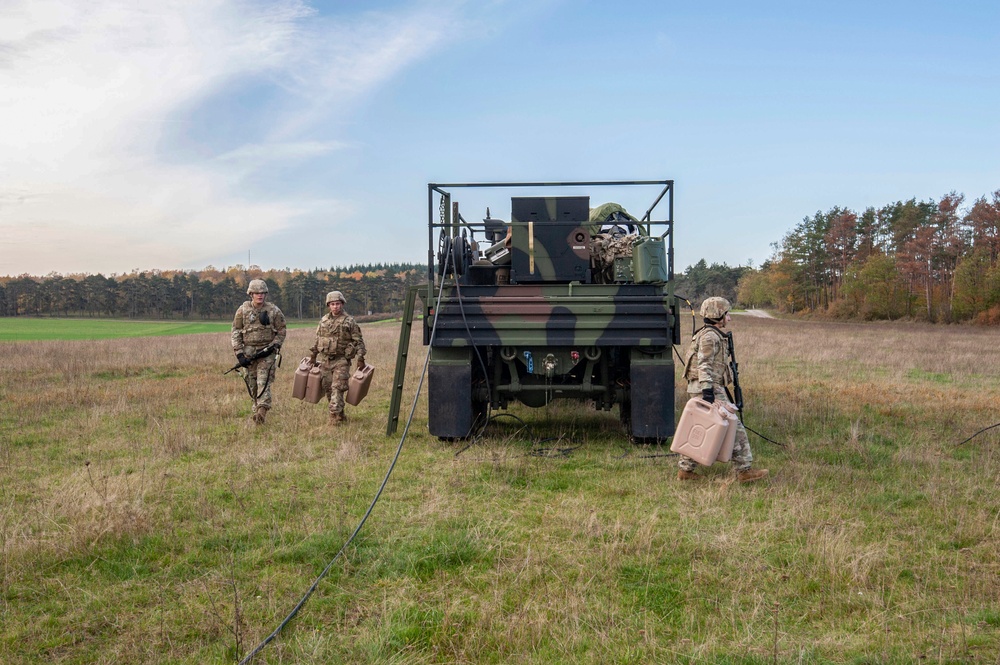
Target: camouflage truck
point(561, 301)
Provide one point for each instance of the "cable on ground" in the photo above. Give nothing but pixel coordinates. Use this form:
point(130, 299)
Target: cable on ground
point(977, 434)
point(291, 615)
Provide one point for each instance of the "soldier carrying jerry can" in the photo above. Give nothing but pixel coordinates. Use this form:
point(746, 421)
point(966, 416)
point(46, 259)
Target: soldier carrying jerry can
point(258, 333)
point(338, 341)
point(708, 371)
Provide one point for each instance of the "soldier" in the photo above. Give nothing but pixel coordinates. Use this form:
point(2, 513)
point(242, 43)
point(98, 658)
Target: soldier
point(708, 372)
point(338, 340)
point(258, 325)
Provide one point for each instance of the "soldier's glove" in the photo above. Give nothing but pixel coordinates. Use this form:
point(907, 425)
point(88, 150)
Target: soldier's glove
point(708, 395)
point(361, 362)
point(242, 359)
point(312, 358)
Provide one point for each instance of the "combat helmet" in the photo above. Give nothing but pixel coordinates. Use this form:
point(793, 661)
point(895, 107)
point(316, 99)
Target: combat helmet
point(335, 295)
point(257, 286)
point(715, 308)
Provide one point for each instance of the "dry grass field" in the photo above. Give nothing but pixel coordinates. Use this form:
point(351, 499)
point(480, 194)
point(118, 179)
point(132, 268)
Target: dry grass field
point(142, 520)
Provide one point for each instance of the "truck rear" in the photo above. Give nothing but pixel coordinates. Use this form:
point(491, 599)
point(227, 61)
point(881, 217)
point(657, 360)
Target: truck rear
point(561, 300)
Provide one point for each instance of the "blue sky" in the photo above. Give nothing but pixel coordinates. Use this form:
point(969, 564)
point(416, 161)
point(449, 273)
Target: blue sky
point(181, 134)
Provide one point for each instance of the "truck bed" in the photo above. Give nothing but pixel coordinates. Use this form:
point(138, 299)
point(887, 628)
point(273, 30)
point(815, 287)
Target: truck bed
point(602, 315)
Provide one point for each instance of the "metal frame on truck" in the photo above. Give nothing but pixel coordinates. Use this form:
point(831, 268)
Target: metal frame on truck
point(562, 300)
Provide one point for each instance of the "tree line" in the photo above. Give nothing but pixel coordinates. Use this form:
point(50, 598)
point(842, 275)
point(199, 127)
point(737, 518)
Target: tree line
point(924, 260)
point(214, 294)
point(701, 280)
point(929, 260)
point(208, 293)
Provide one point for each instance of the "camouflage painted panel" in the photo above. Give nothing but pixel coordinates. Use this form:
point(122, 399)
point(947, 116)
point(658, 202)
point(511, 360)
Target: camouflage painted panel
point(555, 315)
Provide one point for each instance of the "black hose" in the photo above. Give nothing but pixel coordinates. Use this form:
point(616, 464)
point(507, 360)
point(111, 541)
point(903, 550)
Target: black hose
point(291, 615)
point(977, 434)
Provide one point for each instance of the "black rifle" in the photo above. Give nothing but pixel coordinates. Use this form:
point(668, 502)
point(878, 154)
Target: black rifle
point(735, 369)
point(263, 353)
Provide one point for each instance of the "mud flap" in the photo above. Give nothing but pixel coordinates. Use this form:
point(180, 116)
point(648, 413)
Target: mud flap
point(449, 393)
point(652, 396)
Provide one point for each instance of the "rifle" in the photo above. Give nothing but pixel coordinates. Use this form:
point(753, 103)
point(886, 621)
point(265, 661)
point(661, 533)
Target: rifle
point(735, 369)
point(263, 353)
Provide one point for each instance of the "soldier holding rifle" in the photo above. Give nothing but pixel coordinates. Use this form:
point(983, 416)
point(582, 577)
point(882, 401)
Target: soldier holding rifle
point(258, 333)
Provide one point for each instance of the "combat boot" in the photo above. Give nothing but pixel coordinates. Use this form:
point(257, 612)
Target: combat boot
point(751, 475)
point(687, 475)
point(259, 416)
point(337, 418)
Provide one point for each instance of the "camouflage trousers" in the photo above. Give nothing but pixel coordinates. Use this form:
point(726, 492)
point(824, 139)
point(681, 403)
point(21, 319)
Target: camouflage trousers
point(336, 371)
point(742, 456)
point(260, 378)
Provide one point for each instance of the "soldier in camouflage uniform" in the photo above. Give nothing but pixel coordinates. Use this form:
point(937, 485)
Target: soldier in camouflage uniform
point(258, 325)
point(708, 373)
point(338, 341)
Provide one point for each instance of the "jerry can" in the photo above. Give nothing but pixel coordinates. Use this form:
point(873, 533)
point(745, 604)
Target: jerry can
point(314, 385)
point(726, 451)
point(649, 261)
point(300, 379)
point(700, 432)
point(357, 385)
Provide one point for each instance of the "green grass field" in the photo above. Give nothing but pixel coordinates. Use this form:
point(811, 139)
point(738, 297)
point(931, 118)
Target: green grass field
point(23, 329)
point(143, 520)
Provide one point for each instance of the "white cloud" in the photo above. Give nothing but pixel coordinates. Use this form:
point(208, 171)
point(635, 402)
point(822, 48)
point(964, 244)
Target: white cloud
point(346, 60)
point(89, 90)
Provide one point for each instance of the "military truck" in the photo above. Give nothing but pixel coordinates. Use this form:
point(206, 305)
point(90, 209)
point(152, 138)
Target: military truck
point(564, 299)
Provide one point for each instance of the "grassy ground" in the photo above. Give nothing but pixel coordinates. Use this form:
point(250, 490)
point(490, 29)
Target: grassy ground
point(143, 520)
point(25, 329)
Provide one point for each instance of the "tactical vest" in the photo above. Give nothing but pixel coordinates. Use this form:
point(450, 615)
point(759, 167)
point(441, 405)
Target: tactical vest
point(255, 331)
point(690, 368)
point(334, 337)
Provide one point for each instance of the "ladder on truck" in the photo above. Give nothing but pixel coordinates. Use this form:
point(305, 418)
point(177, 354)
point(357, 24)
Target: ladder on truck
point(402, 352)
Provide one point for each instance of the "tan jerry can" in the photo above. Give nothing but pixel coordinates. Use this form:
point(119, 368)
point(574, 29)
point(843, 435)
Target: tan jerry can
point(314, 385)
point(726, 452)
point(357, 385)
point(301, 379)
point(700, 432)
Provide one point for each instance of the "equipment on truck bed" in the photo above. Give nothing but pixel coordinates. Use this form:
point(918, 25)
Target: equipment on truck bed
point(566, 300)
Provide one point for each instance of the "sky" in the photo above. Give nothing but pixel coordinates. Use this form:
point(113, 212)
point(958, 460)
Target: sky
point(179, 134)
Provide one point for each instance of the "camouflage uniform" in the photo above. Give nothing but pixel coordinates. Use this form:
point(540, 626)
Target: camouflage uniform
point(338, 341)
point(250, 335)
point(707, 368)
